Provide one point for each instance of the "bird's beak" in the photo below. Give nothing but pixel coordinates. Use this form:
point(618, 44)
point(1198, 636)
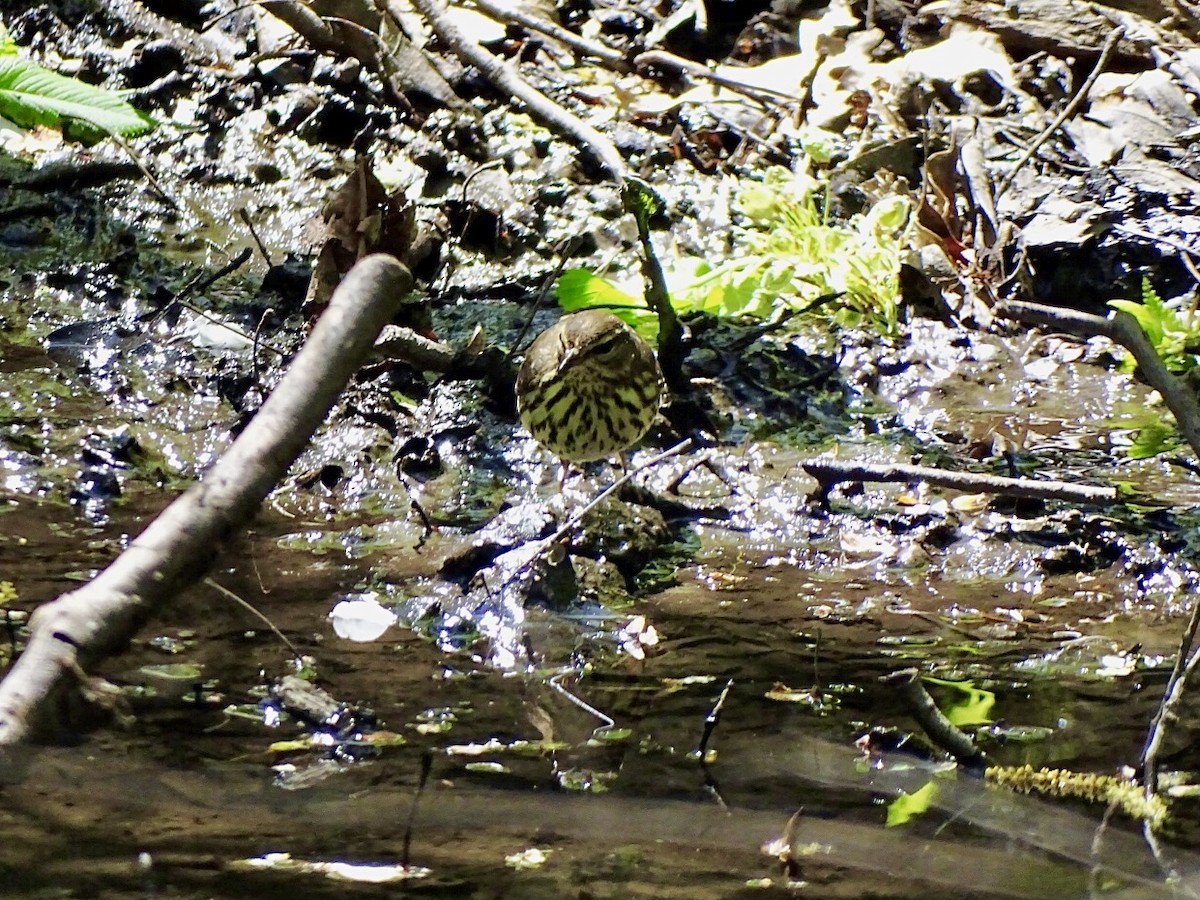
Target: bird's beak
point(569, 355)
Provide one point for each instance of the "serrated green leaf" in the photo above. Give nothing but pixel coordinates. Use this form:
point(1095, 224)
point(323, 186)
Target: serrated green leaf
point(788, 257)
point(1174, 334)
point(1149, 294)
point(31, 95)
point(1147, 317)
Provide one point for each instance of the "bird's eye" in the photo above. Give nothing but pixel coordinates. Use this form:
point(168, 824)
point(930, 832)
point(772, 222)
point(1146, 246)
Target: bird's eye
point(604, 348)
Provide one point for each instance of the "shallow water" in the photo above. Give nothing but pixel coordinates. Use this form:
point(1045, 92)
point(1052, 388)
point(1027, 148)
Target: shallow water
point(192, 786)
point(1066, 618)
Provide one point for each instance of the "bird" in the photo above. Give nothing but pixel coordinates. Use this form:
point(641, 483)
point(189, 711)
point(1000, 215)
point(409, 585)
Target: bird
point(589, 387)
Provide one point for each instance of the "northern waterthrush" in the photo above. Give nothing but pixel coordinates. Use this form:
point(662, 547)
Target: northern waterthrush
point(589, 387)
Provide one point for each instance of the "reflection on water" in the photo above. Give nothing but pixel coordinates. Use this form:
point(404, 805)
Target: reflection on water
point(581, 720)
point(189, 790)
point(82, 825)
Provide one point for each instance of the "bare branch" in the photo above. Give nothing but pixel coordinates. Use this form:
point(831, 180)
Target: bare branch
point(505, 78)
point(830, 472)
point(44, 691)
point(1123, 329)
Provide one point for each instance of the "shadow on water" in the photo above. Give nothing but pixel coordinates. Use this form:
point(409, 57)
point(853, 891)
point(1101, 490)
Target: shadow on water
point(79, 824)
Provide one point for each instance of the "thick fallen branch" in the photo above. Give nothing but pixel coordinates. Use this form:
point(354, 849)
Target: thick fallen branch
point(47, 692)
point(830, 472)
point(1124, 330)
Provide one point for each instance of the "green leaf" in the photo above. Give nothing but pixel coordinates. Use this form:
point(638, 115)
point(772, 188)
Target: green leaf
point(890, 215)
point(758, 203)
point(609, 735)
point(31, 95)
point(909, 806)
point(788, 257)
point(1174, 334)
point(1153, 439)
point(1149, 294)
point(973, 706)
point(579, 289)
point(1148, 317)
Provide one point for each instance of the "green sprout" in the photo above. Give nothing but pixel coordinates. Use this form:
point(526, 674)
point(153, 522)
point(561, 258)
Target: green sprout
point(786, 257)
point(1175, 335)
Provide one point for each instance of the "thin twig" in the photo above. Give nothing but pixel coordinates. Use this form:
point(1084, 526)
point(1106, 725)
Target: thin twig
point(204, 280)
point(544, 546)
point(614, 59)
point(573, 522)
point(700, 25)
point(1167, 712)
point(1185, 662)
point(937, 727)
point(1169, 870)
point(1110, 44)
point(712, 720)
point(1183, 248)
point(478, 170)
point(556, 683)
point(422, 780)
point(244, 215)
point(665, 60)
point(564, 249)
point(153, 182)
point(246, 605)
point(262, 320)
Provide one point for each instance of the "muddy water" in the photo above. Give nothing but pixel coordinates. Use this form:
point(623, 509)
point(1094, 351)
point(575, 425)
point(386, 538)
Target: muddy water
point(112, 399)
point(1066, 618)
point(188, 787)
point(192, 821)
